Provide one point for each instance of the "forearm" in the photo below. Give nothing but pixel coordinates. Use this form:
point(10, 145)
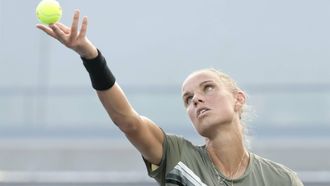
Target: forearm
point(110, 94)
point(119, 108)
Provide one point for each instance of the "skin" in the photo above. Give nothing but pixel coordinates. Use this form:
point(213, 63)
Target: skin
point(214, 110)
point(219, 125)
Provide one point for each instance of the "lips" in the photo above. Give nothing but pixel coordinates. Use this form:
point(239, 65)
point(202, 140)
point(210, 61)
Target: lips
point(201, 111)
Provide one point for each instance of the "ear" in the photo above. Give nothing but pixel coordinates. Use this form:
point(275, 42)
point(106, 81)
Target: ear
point(239, 100)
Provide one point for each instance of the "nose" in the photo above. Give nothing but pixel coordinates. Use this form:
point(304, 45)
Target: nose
point(197, 99)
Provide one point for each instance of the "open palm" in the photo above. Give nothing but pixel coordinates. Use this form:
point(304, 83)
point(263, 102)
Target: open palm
point(71, 37)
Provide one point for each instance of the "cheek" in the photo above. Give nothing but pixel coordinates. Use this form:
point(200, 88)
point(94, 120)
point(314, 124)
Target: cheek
point(190, 113)
point(223, 103)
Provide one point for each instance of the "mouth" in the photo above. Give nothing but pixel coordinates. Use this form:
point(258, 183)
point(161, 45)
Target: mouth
point(201, 111)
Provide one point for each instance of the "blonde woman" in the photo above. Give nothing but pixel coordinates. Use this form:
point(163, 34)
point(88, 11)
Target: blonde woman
point(214, 104)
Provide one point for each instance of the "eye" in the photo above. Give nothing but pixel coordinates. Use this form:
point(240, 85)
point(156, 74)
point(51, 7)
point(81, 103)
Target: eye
point(188, 100)
point(208, 87)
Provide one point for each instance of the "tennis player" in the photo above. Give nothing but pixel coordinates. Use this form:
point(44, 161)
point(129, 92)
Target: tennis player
point(214, 104)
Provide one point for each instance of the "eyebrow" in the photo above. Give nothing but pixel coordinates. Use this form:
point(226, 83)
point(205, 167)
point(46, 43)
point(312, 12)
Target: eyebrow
point(201, 84)
point(205, 82)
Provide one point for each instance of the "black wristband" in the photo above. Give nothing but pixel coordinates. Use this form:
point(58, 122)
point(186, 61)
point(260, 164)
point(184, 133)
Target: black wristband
point(99, 73)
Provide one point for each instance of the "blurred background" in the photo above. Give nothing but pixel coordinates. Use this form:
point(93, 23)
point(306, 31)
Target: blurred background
point(54, 131)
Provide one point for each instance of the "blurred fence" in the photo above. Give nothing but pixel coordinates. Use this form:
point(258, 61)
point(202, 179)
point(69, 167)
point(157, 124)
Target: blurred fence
point(62, 136)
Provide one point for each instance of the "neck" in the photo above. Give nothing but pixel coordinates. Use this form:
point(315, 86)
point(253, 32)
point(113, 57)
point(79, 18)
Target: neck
point(228, 153)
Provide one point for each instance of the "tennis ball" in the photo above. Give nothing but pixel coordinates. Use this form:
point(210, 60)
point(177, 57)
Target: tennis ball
point(49, 11)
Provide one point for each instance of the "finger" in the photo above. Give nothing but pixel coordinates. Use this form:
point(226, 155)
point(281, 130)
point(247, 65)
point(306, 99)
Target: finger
point(74, 26)
point(64, 28)
point(46, 29)
point(59, 34)
point(83, 28)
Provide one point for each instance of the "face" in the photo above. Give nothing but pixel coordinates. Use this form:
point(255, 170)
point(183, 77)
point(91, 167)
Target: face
point(209, 102)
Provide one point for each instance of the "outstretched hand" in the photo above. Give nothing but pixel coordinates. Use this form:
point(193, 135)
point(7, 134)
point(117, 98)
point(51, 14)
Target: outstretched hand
point(71, 37)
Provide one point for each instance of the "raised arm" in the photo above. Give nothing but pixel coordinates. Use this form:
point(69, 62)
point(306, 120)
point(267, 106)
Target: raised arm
point(144, 134)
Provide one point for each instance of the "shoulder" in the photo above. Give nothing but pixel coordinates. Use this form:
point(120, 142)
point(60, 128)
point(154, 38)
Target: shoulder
point(177, 141)
point(178, 148)
point(275, 170)
point(271, 165)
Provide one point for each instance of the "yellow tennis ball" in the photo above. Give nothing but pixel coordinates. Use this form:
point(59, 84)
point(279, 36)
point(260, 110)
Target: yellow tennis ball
point(49, 11)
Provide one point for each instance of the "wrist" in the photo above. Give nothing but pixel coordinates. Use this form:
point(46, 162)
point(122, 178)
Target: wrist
point(100, 74)
point(87, 51)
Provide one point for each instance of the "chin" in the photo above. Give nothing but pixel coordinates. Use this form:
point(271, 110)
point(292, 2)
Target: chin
point(205, 129)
